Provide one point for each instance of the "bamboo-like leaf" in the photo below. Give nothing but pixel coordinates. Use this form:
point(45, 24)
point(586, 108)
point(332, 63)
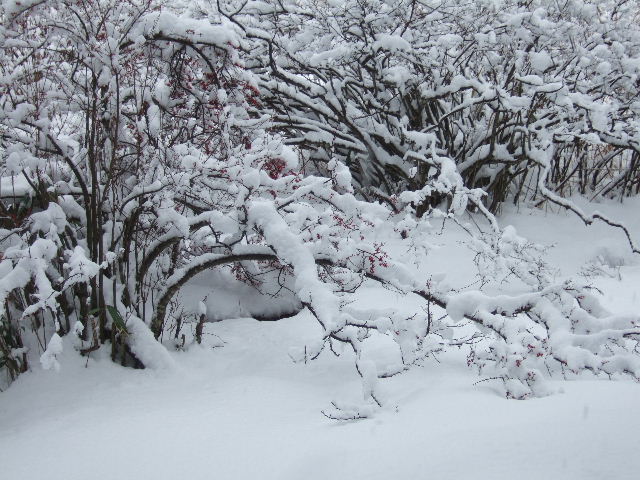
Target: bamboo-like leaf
point(117, 319)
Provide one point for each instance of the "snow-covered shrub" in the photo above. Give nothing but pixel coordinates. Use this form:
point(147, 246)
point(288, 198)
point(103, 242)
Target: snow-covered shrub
point(533, 100)
point(113, 114)
point(148, 153)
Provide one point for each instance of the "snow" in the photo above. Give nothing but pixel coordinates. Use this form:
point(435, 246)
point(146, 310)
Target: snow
point(51, 218)
point(54, 348)
point(540, 61)
point(13, 186)
point(391, 43)
point(570, 244)
point(244, 410)
point(181, 26)
point(146, 348)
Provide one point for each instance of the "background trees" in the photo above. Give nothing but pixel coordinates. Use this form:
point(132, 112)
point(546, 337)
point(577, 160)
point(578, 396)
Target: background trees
point(301, 148)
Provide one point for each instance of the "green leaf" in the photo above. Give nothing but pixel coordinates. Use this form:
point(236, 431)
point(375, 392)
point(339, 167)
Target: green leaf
point(117, 320)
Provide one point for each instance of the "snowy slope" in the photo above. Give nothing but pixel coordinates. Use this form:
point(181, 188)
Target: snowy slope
point(245, 411)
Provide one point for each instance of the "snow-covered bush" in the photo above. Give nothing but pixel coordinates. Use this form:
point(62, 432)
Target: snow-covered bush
point(526, 100)
point(113, 115)
point(139, 150)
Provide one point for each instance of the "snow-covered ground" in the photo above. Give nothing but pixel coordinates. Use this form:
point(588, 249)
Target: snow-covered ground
point(244, 410)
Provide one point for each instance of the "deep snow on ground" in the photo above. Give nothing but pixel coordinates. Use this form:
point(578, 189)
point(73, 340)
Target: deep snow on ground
point(245, 411)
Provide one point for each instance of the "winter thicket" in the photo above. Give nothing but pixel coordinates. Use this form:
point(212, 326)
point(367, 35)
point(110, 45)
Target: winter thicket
point(304, 148)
